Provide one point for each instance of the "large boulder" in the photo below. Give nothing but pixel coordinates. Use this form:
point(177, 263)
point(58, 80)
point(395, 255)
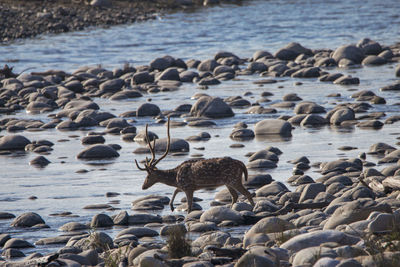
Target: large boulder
point(291, 51)
point(112, 85)
point(316, 238)
point(355, 211)
point(273, 127)
point(341, 115)
point(308, 108)
point(350, 52)
point(98, 151)
point(219, 214)
point(148, 109)
point(211, 107)
point(169, 74)
point(27, 219)
point(13, 142)
point(369, 47)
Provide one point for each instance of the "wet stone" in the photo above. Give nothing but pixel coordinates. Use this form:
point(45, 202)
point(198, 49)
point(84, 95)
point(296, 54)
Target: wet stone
point(27, 219)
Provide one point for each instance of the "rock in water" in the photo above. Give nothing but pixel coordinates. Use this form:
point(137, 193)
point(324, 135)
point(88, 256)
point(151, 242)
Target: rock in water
point(98, 151)
point(13, 142)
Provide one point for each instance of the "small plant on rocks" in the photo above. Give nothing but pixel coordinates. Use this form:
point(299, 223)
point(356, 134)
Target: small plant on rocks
point(177, 243)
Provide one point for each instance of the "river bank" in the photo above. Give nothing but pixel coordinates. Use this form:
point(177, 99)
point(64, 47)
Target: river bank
point(25, 19)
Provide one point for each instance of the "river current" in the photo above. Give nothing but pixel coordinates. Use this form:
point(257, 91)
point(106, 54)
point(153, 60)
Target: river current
point(241, 29)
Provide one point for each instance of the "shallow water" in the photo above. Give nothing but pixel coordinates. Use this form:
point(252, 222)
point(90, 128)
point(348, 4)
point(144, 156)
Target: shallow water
point(240, 29)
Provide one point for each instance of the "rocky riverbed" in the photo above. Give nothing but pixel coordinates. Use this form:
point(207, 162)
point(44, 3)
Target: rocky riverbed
point(347, 215)
point(25, 19)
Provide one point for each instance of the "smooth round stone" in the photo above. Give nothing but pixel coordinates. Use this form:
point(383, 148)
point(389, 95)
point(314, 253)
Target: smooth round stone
point(98, 151)
point(53, 240)
point(201, 227)
point(13, 142)
point(11, 253)
point(261, 164)
point(73, 226)
point(6, 215)
point(144, 218)
point(101, 220)
point(273, 127)
point(27, 219)
point(40, 161)
point(17, 243)
point(202, 123)
point(138, 232)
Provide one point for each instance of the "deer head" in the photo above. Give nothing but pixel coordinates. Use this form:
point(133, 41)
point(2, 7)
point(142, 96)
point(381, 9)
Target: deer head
point(150, 166)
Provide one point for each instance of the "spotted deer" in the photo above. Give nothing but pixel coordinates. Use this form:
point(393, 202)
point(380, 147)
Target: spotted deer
point(195, 174)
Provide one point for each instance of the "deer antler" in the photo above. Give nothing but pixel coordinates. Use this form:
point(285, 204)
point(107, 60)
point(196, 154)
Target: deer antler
point(168, 144)
point(153, 162)
point(140, 168)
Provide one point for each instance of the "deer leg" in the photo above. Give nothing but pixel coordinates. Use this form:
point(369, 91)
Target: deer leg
point(245, 192)
point(189, 199)
point(234, 195)
point(171, 202)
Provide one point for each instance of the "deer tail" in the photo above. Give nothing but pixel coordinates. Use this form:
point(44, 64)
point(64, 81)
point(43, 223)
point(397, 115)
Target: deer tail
point(246, 174)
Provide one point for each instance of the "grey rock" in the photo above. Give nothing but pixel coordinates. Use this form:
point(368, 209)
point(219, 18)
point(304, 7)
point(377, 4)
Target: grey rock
point(291, 51)
point(80, 105)
point(144, 218)
point(11, 253)
point(264, 154)
point(316, 238)
point(354, 211)
point(142, 77)
point(310, 191)
point(212, 238)
point(273, 127)
point(27, 219)
point(271, 189)
point(148, 109)
point(93, 139)
point(98, 151)
point(384, 222)
point(138, 232)
point(169, 74)
point(201, 227)
point(315, 256)
point(13, 142)
point(308, 108)
point(162, 63)
point(53, 240)
point(219, 214)
point(188, 76)
point(73, 226)
point(369, 47)
point(211, 107)
point(17, 243)
point(312, 120)
point(350, 52)
point(121, 218)
point(39, 161)
point(342, 114)
point(101, 220)
point(208, 65)
point(261, 164)
point(347, 80)
point(374, 60)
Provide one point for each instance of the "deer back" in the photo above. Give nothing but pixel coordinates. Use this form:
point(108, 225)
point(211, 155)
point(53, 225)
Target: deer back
point(196, 174)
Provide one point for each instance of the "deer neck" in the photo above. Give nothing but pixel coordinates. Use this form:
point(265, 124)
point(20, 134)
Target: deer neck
point(167, 177)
